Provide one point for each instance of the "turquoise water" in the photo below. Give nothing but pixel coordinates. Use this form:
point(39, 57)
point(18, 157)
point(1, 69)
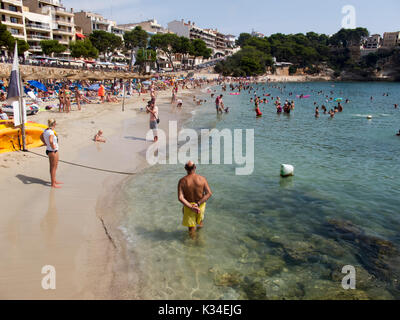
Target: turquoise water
point(266, 237)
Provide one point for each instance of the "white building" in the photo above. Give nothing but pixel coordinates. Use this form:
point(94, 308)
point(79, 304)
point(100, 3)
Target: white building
point(373, 42)
point(12, 17)
point(151, 26)
point(38, 28)
point(62, 24)
point(213, 39)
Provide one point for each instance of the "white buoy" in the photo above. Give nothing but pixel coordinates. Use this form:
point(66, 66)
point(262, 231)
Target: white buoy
point(369, 117)
point(287, 170)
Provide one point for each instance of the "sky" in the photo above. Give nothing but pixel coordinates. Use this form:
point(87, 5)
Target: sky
point(237, 16)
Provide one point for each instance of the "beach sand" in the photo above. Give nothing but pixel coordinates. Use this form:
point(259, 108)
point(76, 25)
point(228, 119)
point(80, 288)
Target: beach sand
point(73, 228)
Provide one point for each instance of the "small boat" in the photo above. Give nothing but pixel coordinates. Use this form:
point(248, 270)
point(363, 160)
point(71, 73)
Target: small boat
point(11, 137)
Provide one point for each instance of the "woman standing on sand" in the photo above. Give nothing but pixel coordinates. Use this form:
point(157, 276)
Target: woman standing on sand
point(50, 139)
point(77, 97)
point(67, 98)
point(61, 99)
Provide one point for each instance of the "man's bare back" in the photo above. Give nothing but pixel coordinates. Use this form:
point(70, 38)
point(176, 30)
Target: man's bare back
point(193, 187)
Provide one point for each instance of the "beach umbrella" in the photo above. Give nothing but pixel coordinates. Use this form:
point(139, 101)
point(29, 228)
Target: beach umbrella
point(94, 87)
point(38, 85)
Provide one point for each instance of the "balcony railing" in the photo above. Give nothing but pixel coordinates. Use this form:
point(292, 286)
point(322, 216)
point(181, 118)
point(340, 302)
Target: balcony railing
point(37, 26)
point(35, 48)
point(37, 36)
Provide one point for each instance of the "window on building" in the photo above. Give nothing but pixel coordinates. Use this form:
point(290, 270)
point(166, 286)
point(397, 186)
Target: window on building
point(14, 31)
point(12, 8)
point(3, 17)
point(13, 20)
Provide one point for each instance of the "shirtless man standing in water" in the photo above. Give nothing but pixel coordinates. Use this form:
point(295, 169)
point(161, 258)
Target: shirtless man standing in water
point(193, 193)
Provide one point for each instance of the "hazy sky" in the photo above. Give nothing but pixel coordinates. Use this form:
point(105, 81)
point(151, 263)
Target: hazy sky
point(236, 16)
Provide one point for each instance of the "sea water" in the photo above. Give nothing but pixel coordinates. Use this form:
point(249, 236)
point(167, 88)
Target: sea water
point(266, 237)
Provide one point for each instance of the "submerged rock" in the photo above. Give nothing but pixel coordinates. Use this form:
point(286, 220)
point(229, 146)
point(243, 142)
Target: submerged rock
point(273, 264)
point(228, 279)
point(328, 290)
point(379, 257)
point(254, 290)
point(364, 280)
point(343, 229)
point(299, 251)
point(328, 246)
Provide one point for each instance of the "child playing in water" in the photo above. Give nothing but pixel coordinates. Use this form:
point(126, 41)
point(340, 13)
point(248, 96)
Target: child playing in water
point(99, 137)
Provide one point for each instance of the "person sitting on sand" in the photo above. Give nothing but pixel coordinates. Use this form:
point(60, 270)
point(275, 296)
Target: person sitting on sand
point(99, 137)
point(193, 193)
point(111, 99)
point(180, 103)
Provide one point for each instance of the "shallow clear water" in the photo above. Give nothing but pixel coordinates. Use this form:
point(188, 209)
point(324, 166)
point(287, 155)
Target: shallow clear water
point(266, 237)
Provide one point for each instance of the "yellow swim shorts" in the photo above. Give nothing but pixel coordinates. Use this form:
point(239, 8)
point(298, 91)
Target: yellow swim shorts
point(192, 219)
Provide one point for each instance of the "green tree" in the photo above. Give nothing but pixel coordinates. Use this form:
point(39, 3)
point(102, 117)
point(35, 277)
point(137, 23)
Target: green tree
point(168, 43)
point(136, 38)
point(247, 62)
point(292, 70)
point(347, 37)
point(83, 49)
point(6, 39)
point(23, 46)
point(49, 47)
point(106, 43)
point(199, 49)
point(243, 37)
point(144, 56)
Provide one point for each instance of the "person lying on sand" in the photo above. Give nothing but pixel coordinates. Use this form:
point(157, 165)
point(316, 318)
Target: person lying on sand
point(99, 137)
point(109, 98)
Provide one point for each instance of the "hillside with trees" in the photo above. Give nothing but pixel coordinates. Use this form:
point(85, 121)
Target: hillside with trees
point(314, 53)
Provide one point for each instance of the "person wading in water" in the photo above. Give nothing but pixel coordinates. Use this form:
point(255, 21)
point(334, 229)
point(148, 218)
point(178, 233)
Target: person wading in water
point(193, 193)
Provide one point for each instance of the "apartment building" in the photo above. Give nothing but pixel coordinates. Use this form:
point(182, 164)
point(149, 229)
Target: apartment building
point(90, 22)
point(213, 38)
point(373, 42)
point(150, 26)
point(12, 17)
point(38, 28)
point(391, 39)
point(62, 20)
